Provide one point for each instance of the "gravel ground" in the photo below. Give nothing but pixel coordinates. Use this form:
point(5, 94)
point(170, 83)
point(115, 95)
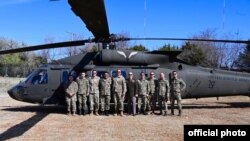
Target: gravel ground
point(24, 121)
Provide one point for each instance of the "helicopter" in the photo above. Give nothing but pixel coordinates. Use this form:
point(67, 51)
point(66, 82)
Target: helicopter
point(45, 84)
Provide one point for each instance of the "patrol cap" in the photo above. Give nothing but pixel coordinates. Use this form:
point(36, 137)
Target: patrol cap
point(130, 73)
point(152, 73)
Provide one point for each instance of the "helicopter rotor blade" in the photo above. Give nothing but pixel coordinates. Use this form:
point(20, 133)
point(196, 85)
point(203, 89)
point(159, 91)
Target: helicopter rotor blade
point(188, 39)
point(46, 46)
point(93, 14)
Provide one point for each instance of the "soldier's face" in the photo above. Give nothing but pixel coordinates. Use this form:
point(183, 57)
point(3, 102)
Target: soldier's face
point(94, 73)
point(119, 72)
point(142, 76)
point(162, 76)
point(175, 74)
point(106, 75)
point(82, 75)
point(152, 76)
point(71, 78)
point(130, 76)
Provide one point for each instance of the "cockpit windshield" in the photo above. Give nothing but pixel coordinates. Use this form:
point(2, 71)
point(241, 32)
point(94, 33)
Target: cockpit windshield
point(39, 76)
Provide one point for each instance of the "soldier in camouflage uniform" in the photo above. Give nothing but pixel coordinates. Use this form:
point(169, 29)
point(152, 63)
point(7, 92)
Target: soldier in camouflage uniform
point(71, 89)
point(94, 93)
point(83, 92)
point(105, 89)
point(131, 94)
point(163, 91)
point(119, 90)
point(152, 98)
point(143, 91)
point(177, 85)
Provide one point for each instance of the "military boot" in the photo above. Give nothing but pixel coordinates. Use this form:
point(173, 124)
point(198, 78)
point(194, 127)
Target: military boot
point(172, 112)
point(161, 113)
point(179, 113)
point(91, 113)
point(165, 113)
point(74, 113)
point(107, 113)
point(96, 113)
point(122, 113)
point(80, 112)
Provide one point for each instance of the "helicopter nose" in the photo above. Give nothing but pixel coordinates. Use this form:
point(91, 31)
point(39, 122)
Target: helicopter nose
point(16, 92)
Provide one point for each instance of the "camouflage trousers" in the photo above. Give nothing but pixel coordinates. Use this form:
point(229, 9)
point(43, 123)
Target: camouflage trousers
point(71, 103)
point(82, 101)
point(118, 100)
point(132, 105)
point(105, 103)
point(94, 102)
point(151, 102)
point(176, 96)
point(163, 103)
point(142, 102)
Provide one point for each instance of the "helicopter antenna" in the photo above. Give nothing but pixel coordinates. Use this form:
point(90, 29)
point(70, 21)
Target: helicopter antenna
point(223, 17)
point(145, 20)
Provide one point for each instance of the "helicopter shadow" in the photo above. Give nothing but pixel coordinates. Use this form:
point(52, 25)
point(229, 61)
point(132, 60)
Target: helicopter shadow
point(219, 105)
point(20, 128)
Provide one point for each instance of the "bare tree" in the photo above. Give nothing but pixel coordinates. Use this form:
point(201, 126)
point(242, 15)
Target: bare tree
point(74, 50)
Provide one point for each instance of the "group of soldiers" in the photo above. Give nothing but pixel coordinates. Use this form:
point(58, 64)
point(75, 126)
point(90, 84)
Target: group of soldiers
point(147, 93)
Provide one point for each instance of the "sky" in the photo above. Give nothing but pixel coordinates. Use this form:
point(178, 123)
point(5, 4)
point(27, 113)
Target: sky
point(31, 21)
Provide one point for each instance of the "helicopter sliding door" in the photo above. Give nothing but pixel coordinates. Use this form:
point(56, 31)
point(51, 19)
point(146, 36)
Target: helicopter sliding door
point(56, 91)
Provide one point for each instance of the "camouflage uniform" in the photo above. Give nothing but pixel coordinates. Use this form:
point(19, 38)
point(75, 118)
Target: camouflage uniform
point(94, 94)
point(143, 90)
point(163, 92)
point(152, 97)
point(71, 100)
point(83, 92)
point(105, 93)
point(131, 96)
point(176, 86)
point(119, 89)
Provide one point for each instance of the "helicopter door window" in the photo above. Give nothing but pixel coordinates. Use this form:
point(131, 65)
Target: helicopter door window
point(65, 76)
point(40, 78)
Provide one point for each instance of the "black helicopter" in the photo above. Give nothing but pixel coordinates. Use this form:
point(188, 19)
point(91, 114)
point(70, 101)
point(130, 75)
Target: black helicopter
point(44, 85)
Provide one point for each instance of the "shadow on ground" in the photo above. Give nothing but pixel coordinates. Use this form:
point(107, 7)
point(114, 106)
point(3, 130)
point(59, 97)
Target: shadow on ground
point(19, 129)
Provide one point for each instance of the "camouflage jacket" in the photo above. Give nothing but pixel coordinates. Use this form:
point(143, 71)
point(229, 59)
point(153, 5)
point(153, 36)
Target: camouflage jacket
point(105, 86)
point(94, 85)
point(152, 85)
point(71, 88)
point(143, 87)
point(83, 85)
point(177, 85)
point(119, 85)
point(163, 88)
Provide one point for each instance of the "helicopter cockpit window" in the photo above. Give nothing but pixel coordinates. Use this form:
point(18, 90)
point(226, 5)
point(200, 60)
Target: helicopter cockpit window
point(40, 77)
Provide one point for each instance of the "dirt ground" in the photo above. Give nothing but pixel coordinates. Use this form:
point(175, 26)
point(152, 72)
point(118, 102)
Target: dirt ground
point(24, 121)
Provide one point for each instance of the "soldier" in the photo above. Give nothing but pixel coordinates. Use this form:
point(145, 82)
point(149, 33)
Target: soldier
point(119, 90)
point(177, 85)
point(131, 94)
point(105, 89)
point(143, 90)
point(163, 92)
point(71, 89)
point(83, 92)
point(94, 93)
point(152, 98)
